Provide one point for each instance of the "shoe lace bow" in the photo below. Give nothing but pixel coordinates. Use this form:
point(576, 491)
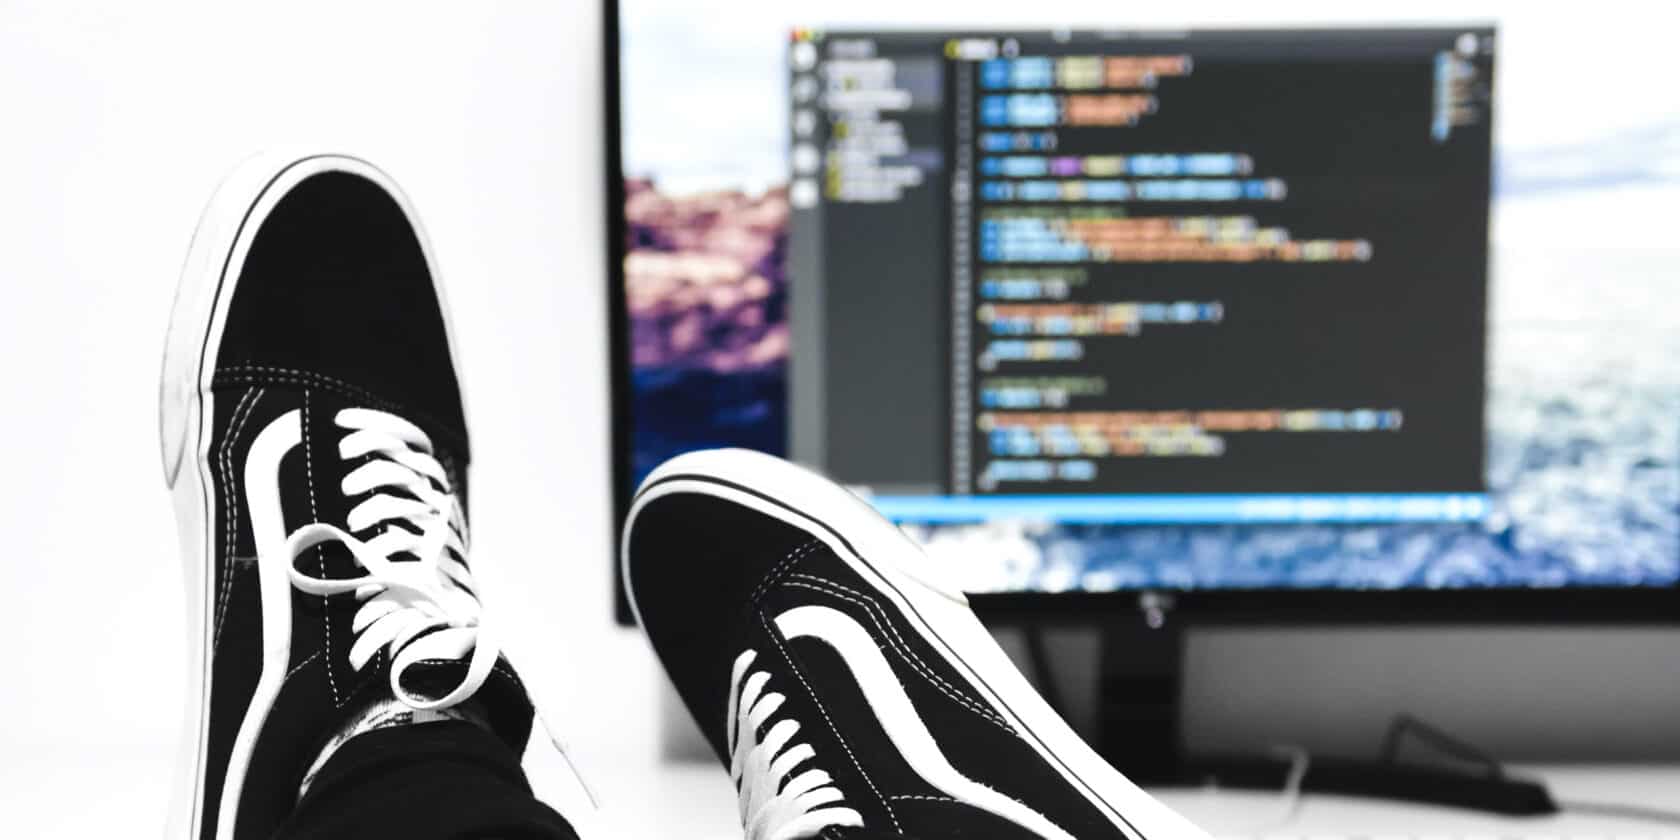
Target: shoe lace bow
point(418, 599)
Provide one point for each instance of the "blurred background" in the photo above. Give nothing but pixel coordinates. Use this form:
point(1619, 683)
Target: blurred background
point(121, 118)
point(121, 121)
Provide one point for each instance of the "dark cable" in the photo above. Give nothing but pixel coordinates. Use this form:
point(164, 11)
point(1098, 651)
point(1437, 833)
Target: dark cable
point(1448, 745)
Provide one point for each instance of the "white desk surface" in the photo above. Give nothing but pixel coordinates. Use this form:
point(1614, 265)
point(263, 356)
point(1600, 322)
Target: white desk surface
point(1244, 813)
point(71, 792)
point(694, 800)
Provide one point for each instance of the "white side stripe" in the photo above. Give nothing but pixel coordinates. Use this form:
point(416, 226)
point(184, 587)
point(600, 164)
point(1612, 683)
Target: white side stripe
point(898, 717)
point(268, 527)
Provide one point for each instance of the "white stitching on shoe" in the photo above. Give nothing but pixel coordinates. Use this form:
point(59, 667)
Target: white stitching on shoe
point(241, 413)
point(775, 637)
point(305, 377)
point(314, 516)
point(799, 552)
point(286, 370)
point(299, 667)
point(897, 644)
point(309, 378)
point(508, 672)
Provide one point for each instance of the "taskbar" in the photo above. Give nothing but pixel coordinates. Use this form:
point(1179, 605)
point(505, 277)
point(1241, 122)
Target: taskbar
point(1187, 509)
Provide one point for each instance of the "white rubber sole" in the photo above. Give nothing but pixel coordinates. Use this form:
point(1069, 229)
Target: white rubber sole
point(185, 404)
point(895, 566)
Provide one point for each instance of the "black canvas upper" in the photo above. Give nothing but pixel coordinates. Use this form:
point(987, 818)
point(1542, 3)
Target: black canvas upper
point(710, 577)
point(334, 309)
point(335, 294)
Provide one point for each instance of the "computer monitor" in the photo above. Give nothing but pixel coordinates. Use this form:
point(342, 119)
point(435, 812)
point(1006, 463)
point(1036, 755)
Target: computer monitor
point(1206, 316)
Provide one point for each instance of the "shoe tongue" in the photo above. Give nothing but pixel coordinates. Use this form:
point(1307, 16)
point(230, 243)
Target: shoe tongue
point(321, 497)
point(329, 470)
point(502, 699)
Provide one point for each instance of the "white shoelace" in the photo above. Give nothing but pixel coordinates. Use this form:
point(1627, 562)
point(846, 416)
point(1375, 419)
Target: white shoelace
point(771, 809)
point(420, 609)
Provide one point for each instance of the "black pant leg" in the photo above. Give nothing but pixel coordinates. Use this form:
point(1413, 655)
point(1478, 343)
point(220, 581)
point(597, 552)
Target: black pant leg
point(436, 781)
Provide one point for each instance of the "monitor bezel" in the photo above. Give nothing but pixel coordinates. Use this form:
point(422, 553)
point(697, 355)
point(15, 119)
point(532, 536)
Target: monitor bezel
point(1459, 606)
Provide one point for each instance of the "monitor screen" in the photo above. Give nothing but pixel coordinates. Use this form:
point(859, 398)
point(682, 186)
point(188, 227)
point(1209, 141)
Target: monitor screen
point(1128, 307)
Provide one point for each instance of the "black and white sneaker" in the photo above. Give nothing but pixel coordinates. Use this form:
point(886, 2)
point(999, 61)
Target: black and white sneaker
point(315, 445)
point(849, 695)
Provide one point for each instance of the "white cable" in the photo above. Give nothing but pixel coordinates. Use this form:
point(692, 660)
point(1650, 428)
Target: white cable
point(1289, 806)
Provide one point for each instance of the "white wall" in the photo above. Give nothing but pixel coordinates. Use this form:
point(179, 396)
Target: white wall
point(116, 121)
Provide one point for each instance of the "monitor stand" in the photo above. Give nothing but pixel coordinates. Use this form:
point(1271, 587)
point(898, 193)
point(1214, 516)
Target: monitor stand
point(1138, 729)
point(1133, 719)
point(1137, 716)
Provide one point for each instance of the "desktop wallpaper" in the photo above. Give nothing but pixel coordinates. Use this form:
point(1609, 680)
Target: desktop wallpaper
point(1583, 368)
